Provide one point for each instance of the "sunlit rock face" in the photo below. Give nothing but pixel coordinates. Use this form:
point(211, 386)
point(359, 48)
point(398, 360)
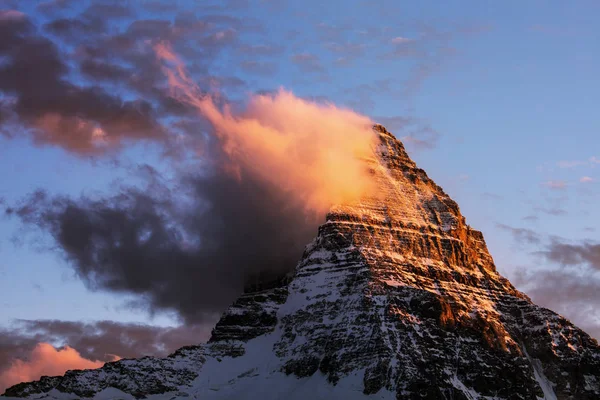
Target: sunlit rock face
point(396, 298)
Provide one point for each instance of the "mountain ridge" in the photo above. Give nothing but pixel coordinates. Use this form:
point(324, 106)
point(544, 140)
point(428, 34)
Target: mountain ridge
point(396, 297)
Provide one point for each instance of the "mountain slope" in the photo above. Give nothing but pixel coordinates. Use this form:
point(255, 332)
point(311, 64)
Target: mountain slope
point(396, 297)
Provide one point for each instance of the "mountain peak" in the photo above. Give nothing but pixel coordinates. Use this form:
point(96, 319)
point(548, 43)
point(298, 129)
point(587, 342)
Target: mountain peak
point(396, 297)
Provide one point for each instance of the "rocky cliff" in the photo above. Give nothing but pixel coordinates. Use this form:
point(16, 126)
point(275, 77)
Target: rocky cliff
point(396, 297)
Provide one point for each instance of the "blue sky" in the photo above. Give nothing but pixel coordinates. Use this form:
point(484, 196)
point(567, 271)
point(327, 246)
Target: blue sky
point(498, 103)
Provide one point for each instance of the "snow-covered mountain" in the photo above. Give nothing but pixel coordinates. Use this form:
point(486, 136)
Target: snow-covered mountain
point(396, 298)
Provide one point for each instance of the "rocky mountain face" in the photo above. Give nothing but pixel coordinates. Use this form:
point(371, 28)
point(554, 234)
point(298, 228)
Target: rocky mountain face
point(396, 298)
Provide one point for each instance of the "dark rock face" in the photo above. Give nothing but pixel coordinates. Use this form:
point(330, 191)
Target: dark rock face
point(399, 289)
point(253, 314)
point(400, 286)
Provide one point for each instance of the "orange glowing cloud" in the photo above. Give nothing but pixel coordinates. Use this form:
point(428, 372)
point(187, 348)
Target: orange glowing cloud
point(308, 149)
point(44, 359)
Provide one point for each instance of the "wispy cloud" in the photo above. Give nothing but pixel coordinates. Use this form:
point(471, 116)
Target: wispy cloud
point(106, 91)
point(556, 211)
point(570, 164)
point(307, 62)
point(552, 30)
point(586, 179)
point(555, 185)
point(362, 97)
point(561, 252)
point(332, 32)
point(259, 67)
point(413, 132)
point(263, 50)
point(400, 40)
point(567, 164)
point(346, 52)
point(522, 235)
point(491, 196)
point(531, 218)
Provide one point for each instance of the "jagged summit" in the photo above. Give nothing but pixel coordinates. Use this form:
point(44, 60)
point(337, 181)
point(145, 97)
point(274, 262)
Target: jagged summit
point(396, 298)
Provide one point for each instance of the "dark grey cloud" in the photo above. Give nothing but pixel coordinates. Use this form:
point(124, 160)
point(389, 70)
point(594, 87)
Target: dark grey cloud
point(149, 29)
point(307, 62)
point(554, 211)
point(522, 235)
point(492, 196)
point(566, 281)
point(259, 67)
point(56, 111)
point(102, 71)
point(99, 340)
point(423, 137)
point(113, 9)
point(191, 247)
point(130, 54)
point(71, 28)
point(90, 81)
point(586, 253)
point(260, 50)
point(51, 7)
point(188, 246)
point(225, 5)
point(558, 250)
point(158, 6)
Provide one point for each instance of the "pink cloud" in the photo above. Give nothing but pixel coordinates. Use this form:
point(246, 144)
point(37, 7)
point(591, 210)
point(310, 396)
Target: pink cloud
point(400, 40)
point(44, 359)
point(312, 150)
point(591, 162)
point(569, 164)
point(555, 185)
point(586, 179)
point(11, 15)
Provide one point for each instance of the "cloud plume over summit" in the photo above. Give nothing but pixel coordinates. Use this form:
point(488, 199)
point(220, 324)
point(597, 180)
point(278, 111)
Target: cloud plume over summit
point(311, 150)
point(267, 175)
